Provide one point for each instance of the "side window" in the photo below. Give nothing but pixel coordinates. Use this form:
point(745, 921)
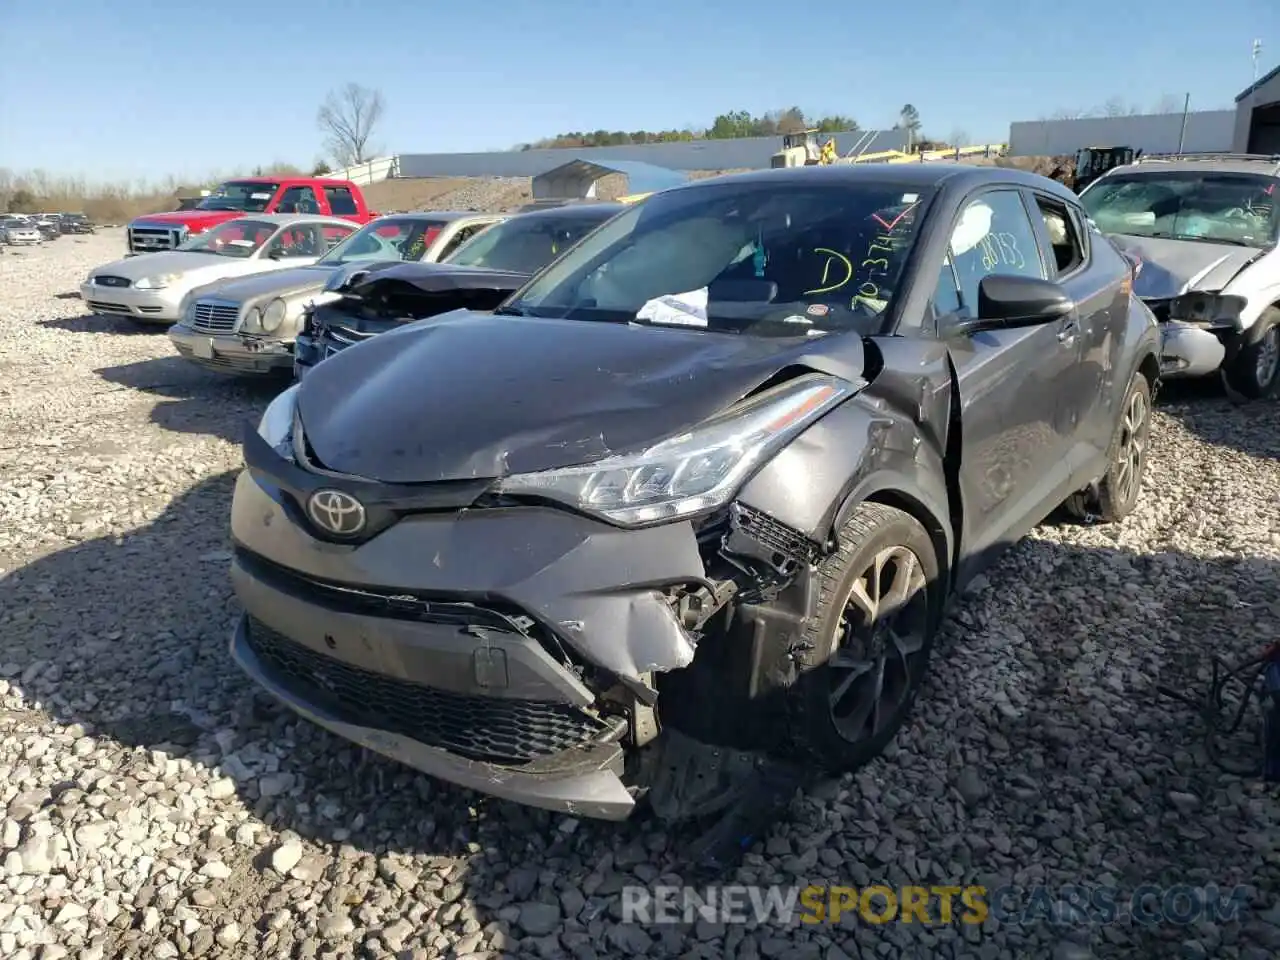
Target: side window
point(304, 240)
point(340, 201)
point(994, 236)
point(298, 200)
point(459, 238)
point(1065, 240)
point(946, 296)
point(334, 235)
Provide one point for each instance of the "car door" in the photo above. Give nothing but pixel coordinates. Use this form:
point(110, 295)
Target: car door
point(1009, 382)
point(1094, 279)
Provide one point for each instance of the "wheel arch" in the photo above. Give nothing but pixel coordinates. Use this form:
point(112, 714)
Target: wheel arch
point(895, 490)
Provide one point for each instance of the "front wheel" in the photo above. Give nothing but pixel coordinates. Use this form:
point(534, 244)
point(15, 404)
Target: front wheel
point(1116, 494)
point(1254, 371)
point(866, 651)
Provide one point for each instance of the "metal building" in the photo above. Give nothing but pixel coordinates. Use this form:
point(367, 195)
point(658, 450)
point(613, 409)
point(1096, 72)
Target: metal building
point(1207, 131)
point(581, 179)
point(1257, 116)
point(747, 153)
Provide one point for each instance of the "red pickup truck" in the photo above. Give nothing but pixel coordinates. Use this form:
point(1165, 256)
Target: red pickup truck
point(247, 195)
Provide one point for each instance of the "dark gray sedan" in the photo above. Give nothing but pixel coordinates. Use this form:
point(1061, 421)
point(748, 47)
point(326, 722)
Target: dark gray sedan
point(705, 484)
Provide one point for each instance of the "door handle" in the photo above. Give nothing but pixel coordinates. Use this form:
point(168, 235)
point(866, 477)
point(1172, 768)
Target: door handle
point(1067, 334)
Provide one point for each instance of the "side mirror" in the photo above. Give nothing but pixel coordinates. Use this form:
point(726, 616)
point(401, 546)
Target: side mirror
point(1007, 302)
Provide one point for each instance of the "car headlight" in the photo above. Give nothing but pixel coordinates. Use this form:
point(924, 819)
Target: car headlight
point(252, 321)
point(156, 283)
point(1207, 308)
point(277, 421)
point(692, 473)
point(273, 316)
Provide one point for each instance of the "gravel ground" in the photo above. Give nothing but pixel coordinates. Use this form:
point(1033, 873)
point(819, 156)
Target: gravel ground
point(154, 806)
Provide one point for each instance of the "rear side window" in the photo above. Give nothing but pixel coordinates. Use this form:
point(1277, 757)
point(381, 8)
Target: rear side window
point(340, 200)
point(1065, 241)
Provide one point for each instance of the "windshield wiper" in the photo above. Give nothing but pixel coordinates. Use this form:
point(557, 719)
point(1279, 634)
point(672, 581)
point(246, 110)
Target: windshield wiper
point(1192, 238)
point(508, 312)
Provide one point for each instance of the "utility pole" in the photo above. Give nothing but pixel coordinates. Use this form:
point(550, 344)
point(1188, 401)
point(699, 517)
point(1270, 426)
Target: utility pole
point(1253, 96)
point(1182, 134)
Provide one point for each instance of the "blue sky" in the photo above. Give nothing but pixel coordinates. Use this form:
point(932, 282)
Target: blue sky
point(144, 88)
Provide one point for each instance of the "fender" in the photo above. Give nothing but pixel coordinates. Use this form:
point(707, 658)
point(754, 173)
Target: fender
point(858, 451)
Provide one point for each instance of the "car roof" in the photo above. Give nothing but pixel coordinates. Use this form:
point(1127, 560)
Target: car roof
point(444, 216)
point(282, 218)
point(1224, 163)
point(934, 174)
point(574, 211)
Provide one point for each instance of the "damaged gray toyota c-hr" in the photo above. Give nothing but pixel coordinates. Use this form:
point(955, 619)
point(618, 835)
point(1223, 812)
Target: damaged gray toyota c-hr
point(703, 486)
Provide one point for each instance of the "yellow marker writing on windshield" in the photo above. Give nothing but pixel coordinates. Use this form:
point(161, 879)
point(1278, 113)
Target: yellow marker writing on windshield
point(826, 271)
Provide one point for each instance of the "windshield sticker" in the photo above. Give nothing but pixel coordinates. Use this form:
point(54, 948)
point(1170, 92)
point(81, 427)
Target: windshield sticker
point(676, 309)
point(259, 196)
point(818, 310)
point(910, 197)
point(240, 243)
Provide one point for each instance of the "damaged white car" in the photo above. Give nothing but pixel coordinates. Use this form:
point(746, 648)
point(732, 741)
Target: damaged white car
point(1203, 229)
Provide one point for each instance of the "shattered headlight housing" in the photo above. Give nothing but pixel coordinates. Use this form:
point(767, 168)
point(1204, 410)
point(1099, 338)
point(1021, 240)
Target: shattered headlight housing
point(277, 421)
point(1211, 308)
point(692, 473)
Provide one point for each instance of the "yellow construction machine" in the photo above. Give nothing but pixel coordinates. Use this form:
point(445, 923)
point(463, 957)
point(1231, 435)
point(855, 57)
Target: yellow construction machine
point(799, 150)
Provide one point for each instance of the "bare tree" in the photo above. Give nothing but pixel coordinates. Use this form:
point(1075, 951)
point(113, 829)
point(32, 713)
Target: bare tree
point(349, 117)
point(959, 137)
point(1168, 103)
point(1116, 107)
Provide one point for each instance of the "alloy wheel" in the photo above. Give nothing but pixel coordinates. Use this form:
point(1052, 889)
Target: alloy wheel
point(1268, 357)
point(1132, 447)
point(880, 639)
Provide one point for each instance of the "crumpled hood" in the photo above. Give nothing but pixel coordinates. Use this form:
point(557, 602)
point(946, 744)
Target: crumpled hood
point(278, 283)
point(469, 395)
point(1174, 267)
point(154, 264)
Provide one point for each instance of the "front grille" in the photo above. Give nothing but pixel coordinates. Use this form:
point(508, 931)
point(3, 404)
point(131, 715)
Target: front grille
point(146, 239)
point(101, 306)
point(110, 281)
point(214, 317)
point(487, 729)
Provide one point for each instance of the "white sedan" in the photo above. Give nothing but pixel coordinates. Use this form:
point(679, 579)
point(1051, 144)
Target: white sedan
point(152, 286)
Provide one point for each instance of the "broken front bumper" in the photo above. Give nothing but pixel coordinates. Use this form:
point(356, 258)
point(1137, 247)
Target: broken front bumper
point(1189, 350)
point(233, 352)
point(475, 646)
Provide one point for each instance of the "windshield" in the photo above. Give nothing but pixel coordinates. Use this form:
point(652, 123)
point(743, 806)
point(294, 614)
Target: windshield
point(525, 244)
point(235, 238)
point(764, 258)
point(1235, 208)
point(233, 195)
point(381, 240)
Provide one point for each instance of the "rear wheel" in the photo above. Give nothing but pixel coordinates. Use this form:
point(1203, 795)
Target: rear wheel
point(867, 649)
point(1117, 492)
point(1255, 370)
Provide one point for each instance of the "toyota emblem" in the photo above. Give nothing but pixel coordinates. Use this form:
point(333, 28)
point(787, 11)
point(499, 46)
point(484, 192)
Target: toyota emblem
point(336, 513)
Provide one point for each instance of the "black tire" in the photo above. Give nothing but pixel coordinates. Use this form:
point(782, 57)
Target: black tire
point(815, 731)
point(1255, 370)
point(1117, 492)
